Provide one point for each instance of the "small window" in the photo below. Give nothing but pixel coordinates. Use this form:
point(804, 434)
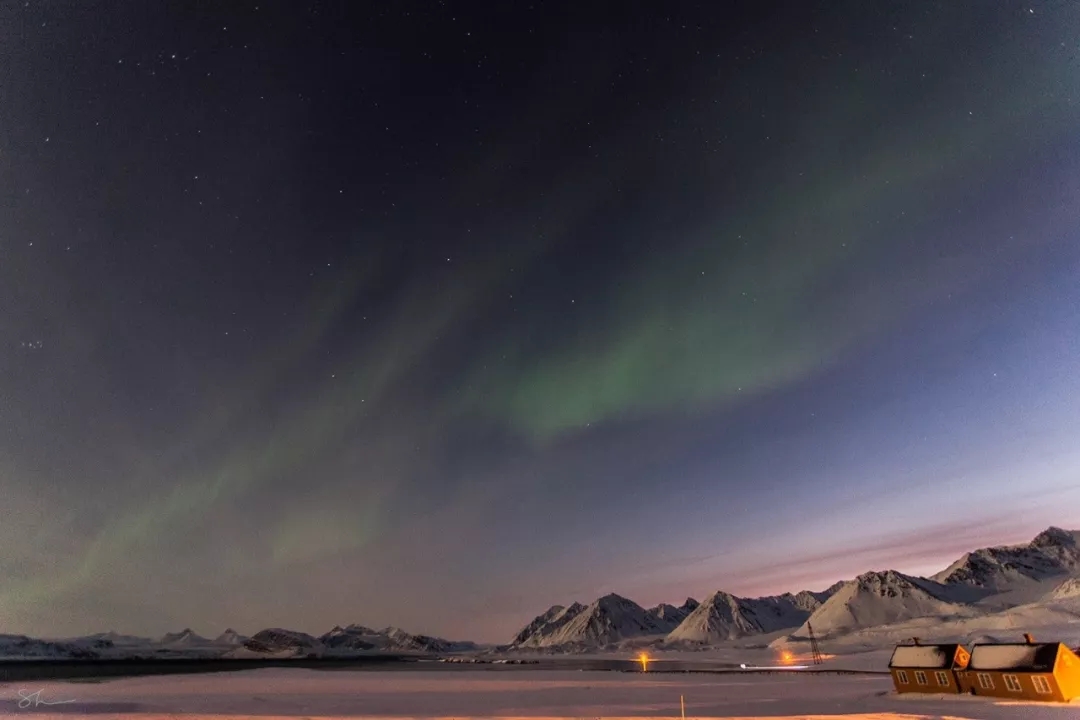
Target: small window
point(1012, 683)
point(942, 679)
point(920, 677)
point(1042, 685)
point(901, 677)
point(985, 681)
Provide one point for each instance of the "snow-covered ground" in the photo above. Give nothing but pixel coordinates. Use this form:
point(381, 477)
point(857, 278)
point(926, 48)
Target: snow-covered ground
point(278, 692)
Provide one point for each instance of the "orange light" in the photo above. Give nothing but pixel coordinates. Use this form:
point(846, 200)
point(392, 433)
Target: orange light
point(644, 660)
point(786, 658)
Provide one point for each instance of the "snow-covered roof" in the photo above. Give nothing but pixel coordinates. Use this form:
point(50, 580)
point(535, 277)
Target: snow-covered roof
point(1035, 657)
point(923, 656)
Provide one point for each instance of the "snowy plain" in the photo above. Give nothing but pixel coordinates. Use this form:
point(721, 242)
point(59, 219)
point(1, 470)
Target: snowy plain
point(278, 692)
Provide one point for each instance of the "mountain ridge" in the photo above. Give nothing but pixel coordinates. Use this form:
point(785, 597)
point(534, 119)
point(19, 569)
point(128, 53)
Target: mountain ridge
point(1042, 573)
point(872, 598)
point(1051, 553)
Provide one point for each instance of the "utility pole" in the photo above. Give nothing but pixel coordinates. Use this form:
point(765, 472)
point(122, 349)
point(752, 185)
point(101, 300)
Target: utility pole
point(815, 651)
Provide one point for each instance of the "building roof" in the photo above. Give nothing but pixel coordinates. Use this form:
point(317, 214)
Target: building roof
point(1024, 657)
point(933, 657)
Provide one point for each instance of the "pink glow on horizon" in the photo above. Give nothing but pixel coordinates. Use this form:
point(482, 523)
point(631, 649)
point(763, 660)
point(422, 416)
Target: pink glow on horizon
point(920, 552)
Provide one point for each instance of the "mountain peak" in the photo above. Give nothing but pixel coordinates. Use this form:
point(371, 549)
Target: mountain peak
point(882, 575)
point(280, 640)
point(811, 601)
point(187, 636)
point(720, 596)
point(231, 637)
point(358, 629)
point(1055, 537)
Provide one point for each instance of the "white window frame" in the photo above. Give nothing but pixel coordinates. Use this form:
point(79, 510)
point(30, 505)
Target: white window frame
point(985, 681)
point(942, 678)
point(901, 677)
point(1042, 685)
point(1012, 682)
point(920, 677)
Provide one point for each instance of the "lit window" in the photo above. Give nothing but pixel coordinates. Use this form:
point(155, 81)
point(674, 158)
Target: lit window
point(902, 677)
point(920, 677)
point(985, 681)
point(1012, 683)
point(1042, 685)
point(942, 679)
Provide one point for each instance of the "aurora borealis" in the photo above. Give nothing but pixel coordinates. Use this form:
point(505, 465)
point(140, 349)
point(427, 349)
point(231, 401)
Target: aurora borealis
point(435, 314)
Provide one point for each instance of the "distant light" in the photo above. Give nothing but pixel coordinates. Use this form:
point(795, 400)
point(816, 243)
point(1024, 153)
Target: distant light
point(644, 660)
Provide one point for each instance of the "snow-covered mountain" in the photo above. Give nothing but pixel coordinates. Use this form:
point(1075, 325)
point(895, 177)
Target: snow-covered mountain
point(722, 616)
point(607, 621)
point(279, 640)
point(880, 598)
point(118, 639)
point(187, 636)
point(982, 582)
point(117, 645)
point(230, 637)
point(545, 625)
point(21, 646)
point(668, 617)
point(358, 629)
point(1054, 552)
point(350, 639)
point(399, 640)
point(353, 637)
point(614, 620)
point(269, 643)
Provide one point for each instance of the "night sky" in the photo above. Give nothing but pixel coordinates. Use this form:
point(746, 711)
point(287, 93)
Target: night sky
point(435, 314)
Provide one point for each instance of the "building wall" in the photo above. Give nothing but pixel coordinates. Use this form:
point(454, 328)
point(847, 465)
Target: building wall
point(1067, 671)
point(963, 657)
point(969, 682)
point(932, 685)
